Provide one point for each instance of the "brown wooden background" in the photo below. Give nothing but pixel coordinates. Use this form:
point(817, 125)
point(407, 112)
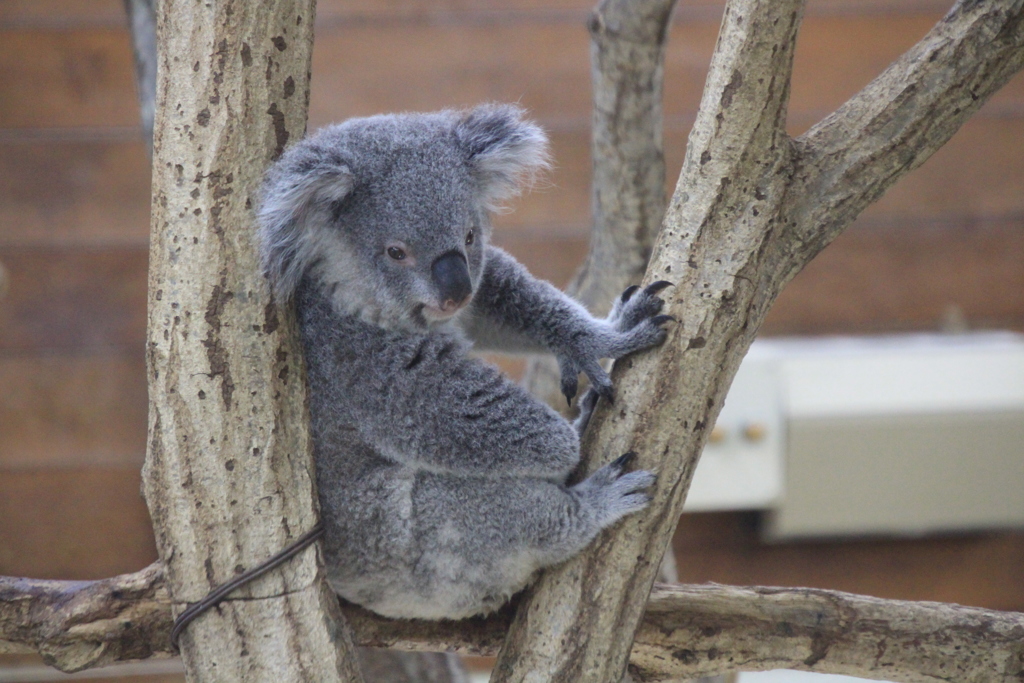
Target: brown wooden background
point(946, 243)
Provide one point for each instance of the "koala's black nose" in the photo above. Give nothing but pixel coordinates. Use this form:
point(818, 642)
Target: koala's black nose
point(451, 275)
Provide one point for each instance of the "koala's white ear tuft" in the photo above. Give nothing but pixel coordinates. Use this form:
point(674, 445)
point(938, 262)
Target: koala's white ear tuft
point(505, 151)
point(297, 194)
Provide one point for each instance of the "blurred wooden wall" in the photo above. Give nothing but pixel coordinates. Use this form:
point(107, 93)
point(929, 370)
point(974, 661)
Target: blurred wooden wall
point(946, 244)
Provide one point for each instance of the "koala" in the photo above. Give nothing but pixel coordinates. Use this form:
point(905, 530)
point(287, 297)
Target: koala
point(442, 483)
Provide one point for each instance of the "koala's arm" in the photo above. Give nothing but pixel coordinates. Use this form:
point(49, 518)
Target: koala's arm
point(514, 311)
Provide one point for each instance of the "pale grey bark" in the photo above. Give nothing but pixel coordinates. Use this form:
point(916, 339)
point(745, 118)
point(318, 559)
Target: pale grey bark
point(686, 632)
point(228, 473)
point(750, 209)
point(377, 665)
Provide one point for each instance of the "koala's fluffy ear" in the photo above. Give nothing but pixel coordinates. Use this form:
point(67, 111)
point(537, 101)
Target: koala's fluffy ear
point(505, 151)
point(296, 194)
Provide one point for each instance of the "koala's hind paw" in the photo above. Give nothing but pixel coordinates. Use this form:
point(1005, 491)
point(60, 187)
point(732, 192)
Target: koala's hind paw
point(616, 494)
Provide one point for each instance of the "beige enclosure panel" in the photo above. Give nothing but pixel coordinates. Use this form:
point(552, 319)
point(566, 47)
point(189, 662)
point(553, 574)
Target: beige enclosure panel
point(905, 474)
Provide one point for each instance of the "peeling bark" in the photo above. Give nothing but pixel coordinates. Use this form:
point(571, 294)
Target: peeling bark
point(686, 632)
point(752, 206)
point(228, 474)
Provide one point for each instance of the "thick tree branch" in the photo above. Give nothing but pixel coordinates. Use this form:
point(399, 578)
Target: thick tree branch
point(627, 191)
point(576, 622)
point(228, 476)
point(687, 631)
point(893, 125)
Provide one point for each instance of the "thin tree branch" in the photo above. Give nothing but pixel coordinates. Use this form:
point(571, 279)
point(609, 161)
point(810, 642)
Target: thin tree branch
point(78, 625)
point(687, 631)
point(627, 54)
point(849, 159)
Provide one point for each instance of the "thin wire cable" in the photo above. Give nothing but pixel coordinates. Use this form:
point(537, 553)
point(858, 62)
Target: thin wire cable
point(214, 597)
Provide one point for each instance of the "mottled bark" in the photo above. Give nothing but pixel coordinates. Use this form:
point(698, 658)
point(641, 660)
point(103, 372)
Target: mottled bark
point(752, 206)
point(627, 192)
point(228, 474)
point(686, 632)
point(78, 625)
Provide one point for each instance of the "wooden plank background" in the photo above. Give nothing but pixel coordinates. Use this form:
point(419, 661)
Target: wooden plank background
point(947, 242)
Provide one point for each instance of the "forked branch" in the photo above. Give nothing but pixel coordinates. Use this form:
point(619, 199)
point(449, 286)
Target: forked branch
point(752, 206)
point(575, 624)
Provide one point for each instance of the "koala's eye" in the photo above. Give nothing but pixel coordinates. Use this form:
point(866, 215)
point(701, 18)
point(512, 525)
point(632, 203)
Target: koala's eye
point(396, 253)
point(469, 238)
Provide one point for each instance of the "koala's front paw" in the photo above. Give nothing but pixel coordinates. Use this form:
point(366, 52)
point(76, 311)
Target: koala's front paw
point(637, 311)
point(633, 325)
point(613, 494)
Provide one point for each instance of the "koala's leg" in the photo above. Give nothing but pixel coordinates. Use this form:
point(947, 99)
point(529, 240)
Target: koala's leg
point(482, 539)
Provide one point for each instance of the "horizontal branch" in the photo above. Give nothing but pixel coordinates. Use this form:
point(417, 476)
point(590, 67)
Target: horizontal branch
point(687, 631)
point(78, 625)
point(849, 159)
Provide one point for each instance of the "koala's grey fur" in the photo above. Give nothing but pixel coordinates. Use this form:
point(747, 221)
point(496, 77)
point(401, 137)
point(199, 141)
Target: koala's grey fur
point(442, 483)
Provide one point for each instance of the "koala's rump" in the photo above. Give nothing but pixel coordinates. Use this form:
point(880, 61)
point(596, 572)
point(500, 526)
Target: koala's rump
point(408, 543)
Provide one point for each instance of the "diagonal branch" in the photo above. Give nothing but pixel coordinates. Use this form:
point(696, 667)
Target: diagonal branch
point(576, 623)
point(893, 125)
point(687, 631)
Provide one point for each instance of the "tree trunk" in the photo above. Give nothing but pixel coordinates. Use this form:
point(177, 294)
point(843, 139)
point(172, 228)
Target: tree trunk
point(228, 475)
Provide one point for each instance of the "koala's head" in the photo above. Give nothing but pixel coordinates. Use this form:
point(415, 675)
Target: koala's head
point(390, 214)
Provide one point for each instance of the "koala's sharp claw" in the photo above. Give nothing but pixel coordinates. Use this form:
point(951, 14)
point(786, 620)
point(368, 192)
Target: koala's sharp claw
point(623, 460)
point(659, 320)
point(629, 292)
point(656, 287)
point(606, 392)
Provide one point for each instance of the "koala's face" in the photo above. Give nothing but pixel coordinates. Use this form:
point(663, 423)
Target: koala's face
point(407, 244)
point(389, 214)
